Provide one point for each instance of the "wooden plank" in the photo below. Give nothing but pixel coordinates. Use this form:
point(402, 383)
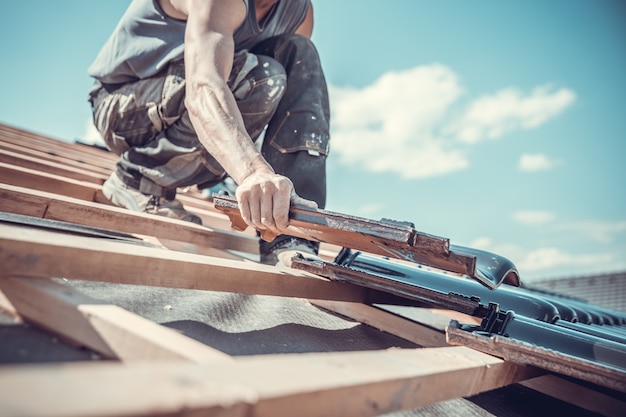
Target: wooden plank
point(316, 384)
point(26, 161)
point(110, 330)
point(396, 240)
point(68, 148)
point(65, 150)
point(29, 178)
point(56, 207)
point(31, 252)
point(52, 157)
point(418, 333)
point(7, 308)
point(435, 318)
point(577, 395)
point(33, 140)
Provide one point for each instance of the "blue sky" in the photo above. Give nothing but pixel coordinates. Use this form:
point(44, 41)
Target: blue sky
point(499, 125)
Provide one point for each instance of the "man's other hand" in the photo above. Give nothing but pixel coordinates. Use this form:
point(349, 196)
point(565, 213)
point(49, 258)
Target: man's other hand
point(264, 201)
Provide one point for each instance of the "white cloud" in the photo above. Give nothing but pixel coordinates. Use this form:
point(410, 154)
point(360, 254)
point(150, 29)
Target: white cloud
point(548, 258)
point(91, 135)
point(537, 263)
point(533, 217)
point(391, 124)
point(491, 116)
point(407, 122)
point(597, 230)
point(535, 162)
point(513, 252)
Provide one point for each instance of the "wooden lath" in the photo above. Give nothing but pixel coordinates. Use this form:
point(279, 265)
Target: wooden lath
point(109, 330)
point(183, 375)
point(43, 253)
point(336, 384)
point(34, 203)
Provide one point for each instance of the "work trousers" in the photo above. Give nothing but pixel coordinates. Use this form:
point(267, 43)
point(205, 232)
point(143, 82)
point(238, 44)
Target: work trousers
point(279, 87)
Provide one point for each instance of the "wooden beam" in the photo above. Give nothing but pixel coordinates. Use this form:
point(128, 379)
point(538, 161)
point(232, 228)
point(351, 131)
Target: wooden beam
point(110, 330)
point(315, 384)
point(30, 178)
point(56, 207)
point(87, 191)
point(67, 171)
point(418, 333)
point(578, 395)
point(33, 168)
point(52, 157)
point(7, 308)
point(31, 252)
point(33, 140)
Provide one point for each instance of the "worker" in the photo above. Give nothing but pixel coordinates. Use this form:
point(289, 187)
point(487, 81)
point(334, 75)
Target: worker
point(184, 90)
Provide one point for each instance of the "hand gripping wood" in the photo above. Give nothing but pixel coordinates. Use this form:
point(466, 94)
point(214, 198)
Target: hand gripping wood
point(388, 238)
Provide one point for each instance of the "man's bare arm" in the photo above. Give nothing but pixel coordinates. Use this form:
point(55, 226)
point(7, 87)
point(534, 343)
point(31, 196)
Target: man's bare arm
point(264, 197)
point(209, 49)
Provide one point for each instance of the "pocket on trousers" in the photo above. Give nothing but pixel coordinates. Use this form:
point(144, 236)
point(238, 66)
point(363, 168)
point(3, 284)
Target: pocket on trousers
point(133, 111)
point(117, 144)
point(172, 103)
point(135, 127)
point(299, 131)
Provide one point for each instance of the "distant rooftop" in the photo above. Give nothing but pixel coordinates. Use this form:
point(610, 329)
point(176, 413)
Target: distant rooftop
point(606, 290)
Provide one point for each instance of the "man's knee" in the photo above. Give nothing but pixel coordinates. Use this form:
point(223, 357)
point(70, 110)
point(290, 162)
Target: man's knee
point(300, 42)
point(262, 88)
point(293, 49)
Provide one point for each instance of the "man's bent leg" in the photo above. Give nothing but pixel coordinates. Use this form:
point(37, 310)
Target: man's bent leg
point(297, 138)
point(132, 119)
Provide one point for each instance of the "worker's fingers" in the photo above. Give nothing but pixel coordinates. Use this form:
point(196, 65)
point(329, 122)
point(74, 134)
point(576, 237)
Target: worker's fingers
point(249, 206)
point(244, 207)
point(264, 201)
point(267, 208)
point(281, 209)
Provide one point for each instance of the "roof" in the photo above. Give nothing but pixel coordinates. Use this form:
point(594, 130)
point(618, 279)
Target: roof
point(200, 326)
point(606, 290)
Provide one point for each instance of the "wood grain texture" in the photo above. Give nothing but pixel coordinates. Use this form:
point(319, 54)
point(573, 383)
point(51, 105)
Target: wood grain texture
point(57, 207)
point(110, 330)
point(317, 384)
point(31, 252)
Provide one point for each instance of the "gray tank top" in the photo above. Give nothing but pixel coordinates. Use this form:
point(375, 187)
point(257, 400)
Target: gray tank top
point(146, 39)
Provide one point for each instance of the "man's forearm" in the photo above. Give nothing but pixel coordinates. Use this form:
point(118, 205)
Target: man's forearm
point(220, 129)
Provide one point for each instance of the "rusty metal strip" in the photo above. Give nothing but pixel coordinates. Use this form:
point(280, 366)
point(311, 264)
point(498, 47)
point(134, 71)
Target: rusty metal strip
point(526, 353)
point(385, 237)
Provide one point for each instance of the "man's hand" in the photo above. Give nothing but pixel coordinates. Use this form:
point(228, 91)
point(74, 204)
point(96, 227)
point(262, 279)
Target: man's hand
point(264, 201)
